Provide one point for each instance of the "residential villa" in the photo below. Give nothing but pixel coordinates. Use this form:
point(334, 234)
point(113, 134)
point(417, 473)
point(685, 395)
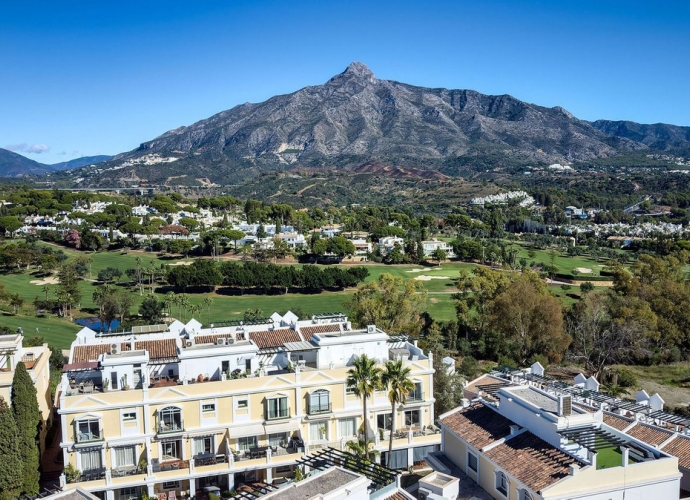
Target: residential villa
point(173, 409)
point(430, 246)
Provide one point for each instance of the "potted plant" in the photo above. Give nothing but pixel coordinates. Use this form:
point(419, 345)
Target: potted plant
point(143, 464)
point(106, 384)
point(71, 473)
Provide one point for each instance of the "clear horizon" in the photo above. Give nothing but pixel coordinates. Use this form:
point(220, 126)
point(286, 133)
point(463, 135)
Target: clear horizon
point(84, 78)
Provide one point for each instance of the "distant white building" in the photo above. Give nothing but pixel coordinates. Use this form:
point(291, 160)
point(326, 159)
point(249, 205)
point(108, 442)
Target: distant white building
point(387, 244)
point(430, 246)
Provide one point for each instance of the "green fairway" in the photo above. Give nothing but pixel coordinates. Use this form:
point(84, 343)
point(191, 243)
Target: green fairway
point(56, 331)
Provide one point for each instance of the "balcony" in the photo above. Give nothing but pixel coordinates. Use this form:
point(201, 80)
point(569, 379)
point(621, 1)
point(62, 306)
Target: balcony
point(89, 475)
point(171, 427)
point(415, 397)
point(90, 436)
point(319, 408)
point(277, 413)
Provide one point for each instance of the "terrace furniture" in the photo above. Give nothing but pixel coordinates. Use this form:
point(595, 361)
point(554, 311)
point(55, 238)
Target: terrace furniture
point(258, 452)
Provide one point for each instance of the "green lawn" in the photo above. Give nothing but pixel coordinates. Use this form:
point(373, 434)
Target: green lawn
point(439, 304)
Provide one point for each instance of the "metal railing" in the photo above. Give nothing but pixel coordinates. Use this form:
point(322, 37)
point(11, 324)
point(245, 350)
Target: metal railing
point(89, 475)
point(272, 414)
point(319, 408)
point(88, 437)
point(168, 427)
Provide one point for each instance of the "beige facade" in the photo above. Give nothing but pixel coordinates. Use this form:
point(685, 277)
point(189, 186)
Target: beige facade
point(173, 435)
point(37, 362)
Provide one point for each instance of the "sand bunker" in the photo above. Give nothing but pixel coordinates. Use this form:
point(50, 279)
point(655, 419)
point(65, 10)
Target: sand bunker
point(583, 270)
point(426, 277)
point(50, 280)
point(182, 263)
point(415, 270)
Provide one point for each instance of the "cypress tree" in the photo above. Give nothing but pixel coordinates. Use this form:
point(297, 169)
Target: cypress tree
point(27, 417)
point(10, 473)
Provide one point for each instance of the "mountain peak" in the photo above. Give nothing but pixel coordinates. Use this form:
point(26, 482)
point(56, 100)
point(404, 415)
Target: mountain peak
point(358, 69)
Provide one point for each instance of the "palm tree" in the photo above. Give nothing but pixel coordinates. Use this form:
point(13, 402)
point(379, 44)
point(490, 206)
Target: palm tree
point(184, 304)
point(362, 449)
point(169, 301)
point(363, 379)
point(208, 302)
point(397, 379)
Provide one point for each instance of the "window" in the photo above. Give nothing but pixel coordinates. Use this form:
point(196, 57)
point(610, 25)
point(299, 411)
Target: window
point(318, 431)
point(125, 456)
point(171, 485)
point(412, 418)
point(246, 443)
point(525, 495)
point(346, 427)
point(319, 402)
point(277, 408)
point(225, 367)
point(113, 380)
point(129, 416)
point(170, 420)
point(349, 390)
point(278, 438)
point(501, 483)
point(90, 460)
point(208, 408)
point(203, 445)
point(242, 404)
point(88, 430)
point(283, 469)
point(129, 493)
point(172, 450)
point(417, 394)
point(472, 463)
point(384, 421)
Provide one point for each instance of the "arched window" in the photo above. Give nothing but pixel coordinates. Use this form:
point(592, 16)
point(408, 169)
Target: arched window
point(319, 402)
point(525, 495)
point(170, 420)
point(502, 483)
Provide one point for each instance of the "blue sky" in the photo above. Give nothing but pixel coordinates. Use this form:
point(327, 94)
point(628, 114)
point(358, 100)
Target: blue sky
point(84, 78)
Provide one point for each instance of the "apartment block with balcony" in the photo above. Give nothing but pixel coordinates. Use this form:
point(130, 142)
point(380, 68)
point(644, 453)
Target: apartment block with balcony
point(182, 407)
point(37, 362)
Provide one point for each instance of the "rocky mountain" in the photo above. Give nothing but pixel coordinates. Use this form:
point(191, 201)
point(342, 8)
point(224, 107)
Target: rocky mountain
point(659, 136)
point(79, 162)
point(16, 165)
point(355, 119)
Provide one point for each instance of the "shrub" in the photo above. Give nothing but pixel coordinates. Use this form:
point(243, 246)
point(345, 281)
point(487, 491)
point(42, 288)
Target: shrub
point(626, 378)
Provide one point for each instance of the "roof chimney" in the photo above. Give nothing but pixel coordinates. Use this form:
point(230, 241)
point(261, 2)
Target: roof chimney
point(574, 469)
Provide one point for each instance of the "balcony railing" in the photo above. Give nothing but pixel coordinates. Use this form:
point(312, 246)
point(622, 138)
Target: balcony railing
point(415, 396)
point(272, 414)
point(169, 427)
point(319, 408)
point(88, 436)
point(89, 475)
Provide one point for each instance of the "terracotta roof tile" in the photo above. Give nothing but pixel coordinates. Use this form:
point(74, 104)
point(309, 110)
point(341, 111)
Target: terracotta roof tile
point(274, 338)
point(397, 496)
point(478, 424)
point(211, 339)
point(471, 390)
point(648, 434)
point(531, 460)
point(158, 349)
point(309, 331)
point(679, 447)
point(616, 421)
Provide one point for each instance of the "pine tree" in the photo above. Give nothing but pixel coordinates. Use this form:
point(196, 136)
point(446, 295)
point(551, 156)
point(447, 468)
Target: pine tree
point(10, 474)
point(27, 417)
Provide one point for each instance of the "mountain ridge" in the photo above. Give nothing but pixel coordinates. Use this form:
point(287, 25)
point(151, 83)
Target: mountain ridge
point(15, 165)
point(355, 118)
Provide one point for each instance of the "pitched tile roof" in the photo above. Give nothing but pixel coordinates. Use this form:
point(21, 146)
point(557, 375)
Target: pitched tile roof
point(397, 496)
point(648, 434)
point(616, 421)
point(531, 460)
point(274, 338)
point(478, 424)
point(308, 331)
point(679, 447)
point(158, 349)
point(211, 339)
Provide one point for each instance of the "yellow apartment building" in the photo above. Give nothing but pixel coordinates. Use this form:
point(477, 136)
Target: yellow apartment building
point(37, 362)
point(173, 409)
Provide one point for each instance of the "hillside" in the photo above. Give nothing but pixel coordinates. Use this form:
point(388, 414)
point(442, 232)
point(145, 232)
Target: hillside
point(356, 120)
point(16, 165)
